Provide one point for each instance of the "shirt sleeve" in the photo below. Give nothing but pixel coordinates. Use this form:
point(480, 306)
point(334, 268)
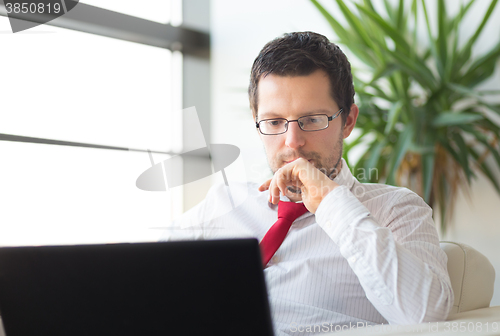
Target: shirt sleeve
point(395, 256)
point(194, 223)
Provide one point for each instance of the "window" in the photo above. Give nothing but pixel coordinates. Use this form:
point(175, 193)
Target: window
point(166, 11)
point(67, 85)
point(84, 91)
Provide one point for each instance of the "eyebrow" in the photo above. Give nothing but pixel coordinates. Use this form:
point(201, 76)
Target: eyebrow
point(272, 115)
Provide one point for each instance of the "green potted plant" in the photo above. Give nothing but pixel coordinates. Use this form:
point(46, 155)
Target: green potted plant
point(423, 123)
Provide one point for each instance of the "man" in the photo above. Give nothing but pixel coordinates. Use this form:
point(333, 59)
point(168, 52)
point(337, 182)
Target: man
point(363, 253)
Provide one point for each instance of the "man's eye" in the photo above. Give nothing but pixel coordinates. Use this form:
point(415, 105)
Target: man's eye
point(311, 120)
point(275, 123)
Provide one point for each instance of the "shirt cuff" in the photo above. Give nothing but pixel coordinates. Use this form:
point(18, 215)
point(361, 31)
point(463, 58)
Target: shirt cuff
point(340, 212)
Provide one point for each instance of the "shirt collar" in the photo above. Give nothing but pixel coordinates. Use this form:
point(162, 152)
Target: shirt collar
point(345, 176)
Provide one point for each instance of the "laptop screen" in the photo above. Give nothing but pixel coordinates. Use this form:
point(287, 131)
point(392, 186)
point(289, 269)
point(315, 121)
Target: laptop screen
point(212, 287)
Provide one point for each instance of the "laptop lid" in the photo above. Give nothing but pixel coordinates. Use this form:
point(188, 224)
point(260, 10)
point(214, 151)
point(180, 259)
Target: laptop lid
point(213, 287)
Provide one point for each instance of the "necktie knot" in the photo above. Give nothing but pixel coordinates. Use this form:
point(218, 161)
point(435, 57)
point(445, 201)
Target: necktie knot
point(291, 211)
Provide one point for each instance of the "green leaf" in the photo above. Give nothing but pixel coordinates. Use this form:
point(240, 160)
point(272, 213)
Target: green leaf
point(479, 95)
point(422, 149)
point(484, 140)
point(346, 158)
point(486, 171)
point(392, 117)
point(390, 11)
point(365, 54)
point(393, 33)
point(336, 26)
point(463, 10)
point(400, 150)
point(482, 68)
point(355, 24)
point(488, 92)
point(369, 4)
point(415, 68)
point(446, 145)
point(442, 33)
point(449, 118)
point(434, 49)
point(358, 140)
point(372, 29)
point(414, 10)
point(452, 68)
point(360, 165)
point(383, 72)
point(401, 15)
point(373, 159)
point(463, 90)
point(428, 172)
point(495, 108)
point(473, 39)
point(443, 193)
point(466, 50)
point(350, 38)
point(463, 154)
point(379, 93)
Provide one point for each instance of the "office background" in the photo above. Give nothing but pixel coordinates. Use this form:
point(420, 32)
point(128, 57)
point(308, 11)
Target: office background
point(124, 91)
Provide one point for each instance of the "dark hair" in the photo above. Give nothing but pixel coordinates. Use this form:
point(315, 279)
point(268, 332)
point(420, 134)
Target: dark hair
point(300, 54)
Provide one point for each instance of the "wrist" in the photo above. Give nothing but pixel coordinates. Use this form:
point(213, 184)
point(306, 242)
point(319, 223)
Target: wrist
point(319, 192)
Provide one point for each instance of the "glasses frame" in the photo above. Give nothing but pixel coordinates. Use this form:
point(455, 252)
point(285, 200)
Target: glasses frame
point(257, 123)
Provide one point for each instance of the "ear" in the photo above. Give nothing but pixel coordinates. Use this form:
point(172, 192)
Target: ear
point(351, 120)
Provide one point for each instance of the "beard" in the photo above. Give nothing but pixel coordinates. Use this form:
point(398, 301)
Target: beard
point(327, 165)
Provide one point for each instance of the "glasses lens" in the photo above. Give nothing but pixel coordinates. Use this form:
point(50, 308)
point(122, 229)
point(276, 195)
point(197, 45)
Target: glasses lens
point(314, 122)
point(273, 126)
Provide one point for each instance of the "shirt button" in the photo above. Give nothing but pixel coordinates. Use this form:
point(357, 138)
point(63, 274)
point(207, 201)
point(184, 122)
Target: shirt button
point(328, 224)
point(353, 259)
point(275, 260)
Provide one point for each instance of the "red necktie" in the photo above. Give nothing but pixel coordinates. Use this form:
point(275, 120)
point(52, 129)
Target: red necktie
point(287, 213)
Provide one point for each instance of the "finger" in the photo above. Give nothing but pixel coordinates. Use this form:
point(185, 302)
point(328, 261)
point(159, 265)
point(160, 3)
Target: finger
point(270, 187)
point(265, 185)
point(274, 191)
point(281, 182)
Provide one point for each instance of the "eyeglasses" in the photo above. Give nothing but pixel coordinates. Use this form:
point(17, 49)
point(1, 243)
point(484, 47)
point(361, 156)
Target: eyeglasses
point(310, 123)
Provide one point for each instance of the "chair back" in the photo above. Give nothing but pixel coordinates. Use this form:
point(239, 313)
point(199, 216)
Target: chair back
point(472, 277)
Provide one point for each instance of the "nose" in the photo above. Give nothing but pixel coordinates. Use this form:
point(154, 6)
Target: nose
point(294, 136)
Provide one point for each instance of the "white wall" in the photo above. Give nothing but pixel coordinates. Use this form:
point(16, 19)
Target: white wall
point(477, 223)
point(241, 28)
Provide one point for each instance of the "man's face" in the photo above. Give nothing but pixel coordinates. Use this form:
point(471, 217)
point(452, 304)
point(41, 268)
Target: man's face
point(292, 97)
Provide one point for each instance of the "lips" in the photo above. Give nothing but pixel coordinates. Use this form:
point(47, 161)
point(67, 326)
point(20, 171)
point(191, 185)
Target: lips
point(287, 162)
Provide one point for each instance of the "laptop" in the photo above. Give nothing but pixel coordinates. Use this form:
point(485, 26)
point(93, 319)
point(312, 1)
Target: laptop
point(213, 287)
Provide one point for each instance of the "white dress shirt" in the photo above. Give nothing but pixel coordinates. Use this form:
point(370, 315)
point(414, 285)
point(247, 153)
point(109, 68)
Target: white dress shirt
point(369, 255)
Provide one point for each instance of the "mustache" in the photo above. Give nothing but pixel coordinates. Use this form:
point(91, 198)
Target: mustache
point(306, 155)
